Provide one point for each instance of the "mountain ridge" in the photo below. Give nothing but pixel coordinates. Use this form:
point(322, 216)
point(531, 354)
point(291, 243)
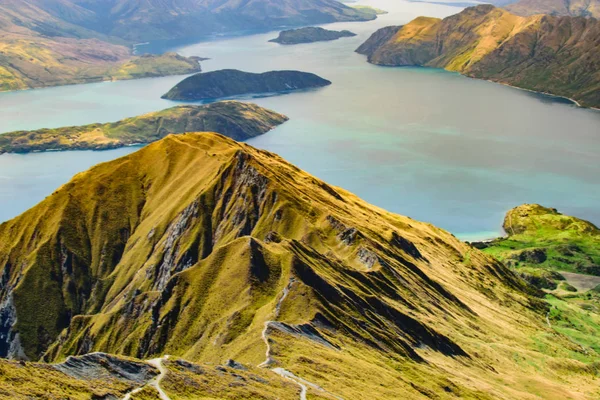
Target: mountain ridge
point(208, 249)
point(553, 55)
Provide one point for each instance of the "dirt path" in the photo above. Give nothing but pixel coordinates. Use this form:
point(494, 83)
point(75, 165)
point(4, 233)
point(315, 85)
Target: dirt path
point(158, 363)
point(268, 359)
point(302, 383)
point(155, 382)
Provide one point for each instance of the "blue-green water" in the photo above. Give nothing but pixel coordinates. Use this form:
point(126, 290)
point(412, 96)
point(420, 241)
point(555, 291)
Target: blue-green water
point(426, 143)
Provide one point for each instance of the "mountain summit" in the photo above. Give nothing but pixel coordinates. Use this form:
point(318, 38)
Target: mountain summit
point(207, 249)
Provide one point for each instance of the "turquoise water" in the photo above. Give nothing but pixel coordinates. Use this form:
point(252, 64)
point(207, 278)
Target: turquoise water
point(426, 143)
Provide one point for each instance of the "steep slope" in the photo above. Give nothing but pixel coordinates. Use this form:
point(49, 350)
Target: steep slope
point(230, 82)
point(208, 249)
point(573, 8)
point(233, 119)
point(559, 254)
point(557, 55)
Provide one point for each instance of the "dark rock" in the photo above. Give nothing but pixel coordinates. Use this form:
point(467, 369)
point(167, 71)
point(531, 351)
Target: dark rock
point(105, 366)
point(540, 282)
point(273, 237)
point(532, 256)
point(479, 245)
point(196, 369)
point(589, 269)
point(235, 365)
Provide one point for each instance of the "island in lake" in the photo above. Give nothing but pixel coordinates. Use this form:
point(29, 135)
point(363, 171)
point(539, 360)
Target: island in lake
point(234, 119)
point(309, 34)
point(231, 82)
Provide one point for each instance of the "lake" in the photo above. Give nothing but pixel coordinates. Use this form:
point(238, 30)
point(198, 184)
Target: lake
point(426, 143)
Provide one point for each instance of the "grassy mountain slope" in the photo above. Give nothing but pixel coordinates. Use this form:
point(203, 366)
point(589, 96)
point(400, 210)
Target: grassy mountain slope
point(100, 376)
point(239, 121)
point(28, 62)
point(208, 249)
point(573, 8)
point(559, 254)
point(542, 237)
point(558, 55)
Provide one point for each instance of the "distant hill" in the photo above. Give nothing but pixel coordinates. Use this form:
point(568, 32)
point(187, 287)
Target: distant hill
point(57, 42)
point(239, 121)
point(573, 8)
point(557, 55)
point(309, 35)
point(135, 20)
point(230, 82)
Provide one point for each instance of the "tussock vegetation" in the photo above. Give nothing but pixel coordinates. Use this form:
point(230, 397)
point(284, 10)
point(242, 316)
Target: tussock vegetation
point(193, 245)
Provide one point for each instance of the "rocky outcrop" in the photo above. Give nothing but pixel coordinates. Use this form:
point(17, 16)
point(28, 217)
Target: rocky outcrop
point(10, 344)
point(556, 55)
point(230, 82)
point(106, 367)
point(531, 256)
point(309, 35)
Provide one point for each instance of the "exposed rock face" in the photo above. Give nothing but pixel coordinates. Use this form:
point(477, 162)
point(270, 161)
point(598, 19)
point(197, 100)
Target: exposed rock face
point(10, 345)
point(234, 119)
point(104, 366)
point(557, 55)
point(531, 256)
point(309, 35)
point(230, 82)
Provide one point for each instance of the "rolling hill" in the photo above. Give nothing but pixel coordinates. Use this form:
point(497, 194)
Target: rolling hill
point(556, 55)
point(208, 250)
point(240, 121)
